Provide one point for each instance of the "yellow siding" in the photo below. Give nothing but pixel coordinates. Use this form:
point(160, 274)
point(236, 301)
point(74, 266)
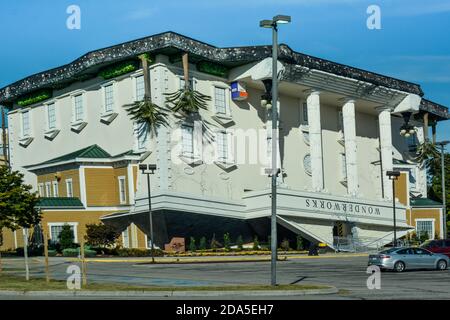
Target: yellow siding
point(102, 186)
point(82, 217)
point(401, 188)
point(67, 174)
point(427, 213)
point(8, 239)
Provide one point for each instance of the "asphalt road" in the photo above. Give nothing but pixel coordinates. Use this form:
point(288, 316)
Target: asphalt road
point(347, 274)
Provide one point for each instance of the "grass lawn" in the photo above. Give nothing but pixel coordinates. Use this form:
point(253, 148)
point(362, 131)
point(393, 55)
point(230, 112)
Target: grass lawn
point(14, 283)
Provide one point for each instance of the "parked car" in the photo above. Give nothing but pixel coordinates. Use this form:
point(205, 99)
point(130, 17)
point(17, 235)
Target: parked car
point(438, 246)
point(401, 259)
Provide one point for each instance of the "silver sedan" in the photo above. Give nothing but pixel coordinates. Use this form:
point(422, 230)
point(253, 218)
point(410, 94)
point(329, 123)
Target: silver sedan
point(401, 259)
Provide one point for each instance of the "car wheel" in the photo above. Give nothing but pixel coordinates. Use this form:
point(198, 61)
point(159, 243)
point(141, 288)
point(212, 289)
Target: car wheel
point(442, 265)
point(399, 266)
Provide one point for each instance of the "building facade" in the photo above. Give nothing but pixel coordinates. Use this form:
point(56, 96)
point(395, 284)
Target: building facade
point(71, 136)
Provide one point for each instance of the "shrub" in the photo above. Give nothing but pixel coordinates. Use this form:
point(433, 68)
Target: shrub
point(240, 243)
point(227, 241)
point(192, 246)
point(75, 252)
point(100, 235)
point(118, 69)
point(255, 243)
point(66, 237)
point(299, 243)
point(134, 252)
point(202, 245)
point(285, 245)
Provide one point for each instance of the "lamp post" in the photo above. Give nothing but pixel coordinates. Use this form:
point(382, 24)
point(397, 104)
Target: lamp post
point(273, 24)
point(393, 175)
point(148, 170)
point(442, 144)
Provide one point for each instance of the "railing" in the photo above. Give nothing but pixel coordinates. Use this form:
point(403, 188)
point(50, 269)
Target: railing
point(364, 244)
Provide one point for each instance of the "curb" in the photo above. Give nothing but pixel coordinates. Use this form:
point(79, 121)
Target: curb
point(162, 294)
point(183, 260)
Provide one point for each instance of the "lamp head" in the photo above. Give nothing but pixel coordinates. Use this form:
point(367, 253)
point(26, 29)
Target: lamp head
point(282, 19)
point(266, 23)
point(393, 175)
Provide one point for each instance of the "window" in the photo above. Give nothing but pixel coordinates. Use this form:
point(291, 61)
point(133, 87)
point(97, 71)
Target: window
point(412, 178)
point(142, 134)
point(425, 227)
point(305, 113)
point(222, 146)
point(55, 189)
point(25, 123)
point(140, 88)
point(56, 228)
point(187, 139)
point(307, 164)
point(122, 190)
point(69, 188)
point(343, 167)
point(220, 102)
point(126, 238)
point(51, 116)
point(405, 251)
point(109, 98)
point(421, 251)
point(79, 111)
point(411, 142)
point(41, 190)
point(48, 189)
point(341, 121)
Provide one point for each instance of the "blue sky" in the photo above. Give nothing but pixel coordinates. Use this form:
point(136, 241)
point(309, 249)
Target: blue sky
point(412, 45)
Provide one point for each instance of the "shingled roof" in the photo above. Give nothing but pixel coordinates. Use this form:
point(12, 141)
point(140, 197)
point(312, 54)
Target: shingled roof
point(171, 43)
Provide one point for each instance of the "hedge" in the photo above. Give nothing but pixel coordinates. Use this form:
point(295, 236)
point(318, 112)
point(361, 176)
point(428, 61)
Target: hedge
point(75, 252)
point(130, 252)
point(118, 69)
point(34, 98)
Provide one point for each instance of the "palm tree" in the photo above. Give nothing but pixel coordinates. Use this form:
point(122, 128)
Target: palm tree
point(427, 153)
point(187, 100)
point(145, 111)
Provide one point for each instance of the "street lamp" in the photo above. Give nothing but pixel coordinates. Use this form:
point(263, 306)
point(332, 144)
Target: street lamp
point(406, 130)
point(148, 170)
point(393, 175)
point(444, 208)
point(273, 24)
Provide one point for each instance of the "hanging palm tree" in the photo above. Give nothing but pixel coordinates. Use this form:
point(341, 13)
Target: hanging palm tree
point(187, 100)
point(145, 111)
point(427, 153)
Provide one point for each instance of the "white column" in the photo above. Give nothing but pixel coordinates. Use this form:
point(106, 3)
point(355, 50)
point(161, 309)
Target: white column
point(315, 138)
point(422, 171)
point(348, 115)
point(130, 175)
point(384, 121)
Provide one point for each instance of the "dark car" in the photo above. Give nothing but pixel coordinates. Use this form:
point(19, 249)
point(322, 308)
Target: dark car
point(438, 246)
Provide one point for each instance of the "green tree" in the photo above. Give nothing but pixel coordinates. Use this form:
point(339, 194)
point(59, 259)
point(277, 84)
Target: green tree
point(227, 241)
point(435, 178)
point(192, 246)
point(101, 235)
point(17, 202)
point(146, 112)
point(66, 237)
point(255, 243)
point(202, 245)
point(187, 100)
point(299, 243)
point(240, 243)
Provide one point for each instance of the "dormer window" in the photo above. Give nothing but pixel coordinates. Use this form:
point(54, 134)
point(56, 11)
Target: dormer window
point(78, 118)
point(25, 134)
point(52, 126)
